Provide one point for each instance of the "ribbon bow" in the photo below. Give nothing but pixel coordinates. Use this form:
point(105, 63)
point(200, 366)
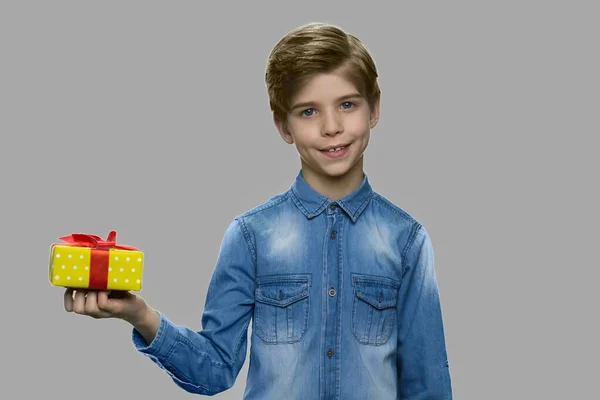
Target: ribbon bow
point(96, 242)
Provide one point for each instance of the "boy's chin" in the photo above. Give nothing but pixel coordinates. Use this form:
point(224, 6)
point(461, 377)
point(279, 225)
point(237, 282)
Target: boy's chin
point(336, 172)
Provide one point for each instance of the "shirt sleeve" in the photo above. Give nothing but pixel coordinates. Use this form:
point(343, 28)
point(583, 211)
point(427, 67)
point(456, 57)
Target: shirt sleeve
point(208, 362)
point(423, 371)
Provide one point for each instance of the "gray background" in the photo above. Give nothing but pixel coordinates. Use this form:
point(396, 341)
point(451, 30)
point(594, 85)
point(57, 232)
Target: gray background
point(151, 118)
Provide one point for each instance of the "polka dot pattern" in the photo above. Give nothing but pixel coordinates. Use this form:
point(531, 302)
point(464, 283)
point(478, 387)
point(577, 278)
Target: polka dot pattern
point(70, 267)
point(125, 270)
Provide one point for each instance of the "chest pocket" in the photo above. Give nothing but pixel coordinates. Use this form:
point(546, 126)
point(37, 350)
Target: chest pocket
point(281, 308)
point(374, 308)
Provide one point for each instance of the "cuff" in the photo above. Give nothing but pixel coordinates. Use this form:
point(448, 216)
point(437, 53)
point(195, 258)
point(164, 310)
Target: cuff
point(163, 341)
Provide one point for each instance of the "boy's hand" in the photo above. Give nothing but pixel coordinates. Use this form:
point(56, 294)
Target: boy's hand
point(105, 304)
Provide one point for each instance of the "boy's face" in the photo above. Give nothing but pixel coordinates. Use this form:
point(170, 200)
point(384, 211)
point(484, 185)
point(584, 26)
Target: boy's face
point(321, 116)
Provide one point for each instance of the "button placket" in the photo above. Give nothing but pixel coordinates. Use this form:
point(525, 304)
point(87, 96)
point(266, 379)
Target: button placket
point(333, 265)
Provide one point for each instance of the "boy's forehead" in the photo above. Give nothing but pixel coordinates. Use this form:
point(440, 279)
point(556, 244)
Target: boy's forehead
point(325, 86)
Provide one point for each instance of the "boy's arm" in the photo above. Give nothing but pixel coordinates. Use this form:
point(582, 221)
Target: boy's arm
point(208, 362)
point(423, 371)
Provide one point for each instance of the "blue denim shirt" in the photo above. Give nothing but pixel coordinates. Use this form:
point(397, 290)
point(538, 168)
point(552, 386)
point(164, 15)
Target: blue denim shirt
point(342, 297)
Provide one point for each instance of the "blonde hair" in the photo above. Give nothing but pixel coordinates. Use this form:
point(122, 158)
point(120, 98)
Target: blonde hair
point(312, 49)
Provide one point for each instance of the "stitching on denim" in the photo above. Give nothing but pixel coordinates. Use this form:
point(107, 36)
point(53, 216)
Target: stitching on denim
point(388, 318)
point(306, 315)
point(387, 325)
point(298, 203)
point(274, 201)
point(282, 303)
point(393, 207)
point(271, 280)
point(416, 227)
point(238, 344)
point(375, 279)
point(414, 233)
point(310, 214)
point(341, 296)
point(266, 337)
point(257, 323)
point(323, 311)
point(248, 240)
point(363, 205)
point(354, 313)
point(283, 278)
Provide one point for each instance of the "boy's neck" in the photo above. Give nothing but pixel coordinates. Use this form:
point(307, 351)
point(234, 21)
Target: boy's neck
point(335, 188)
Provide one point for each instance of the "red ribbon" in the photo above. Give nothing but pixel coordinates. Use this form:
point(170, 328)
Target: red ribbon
point(93, 241)
point(99, 254)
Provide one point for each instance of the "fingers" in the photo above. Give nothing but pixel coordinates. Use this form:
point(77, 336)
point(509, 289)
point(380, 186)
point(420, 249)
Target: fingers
point(85, 302)
point(79, 301)
point(103, 300)
point(91, 303)
point(68, 300)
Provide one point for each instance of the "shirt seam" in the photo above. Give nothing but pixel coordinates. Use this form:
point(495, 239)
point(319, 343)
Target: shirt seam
point(298, 202)
point(269, 204)
point(248, 240)
point(416, 228)
point(394, 208)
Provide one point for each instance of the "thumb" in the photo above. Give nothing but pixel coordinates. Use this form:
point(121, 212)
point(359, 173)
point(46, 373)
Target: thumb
point(103, 300)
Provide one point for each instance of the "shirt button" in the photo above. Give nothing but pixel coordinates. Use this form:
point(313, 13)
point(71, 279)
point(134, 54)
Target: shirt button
point(333, 206)
point(332, 292)
point(332, 235)
point(329, 353)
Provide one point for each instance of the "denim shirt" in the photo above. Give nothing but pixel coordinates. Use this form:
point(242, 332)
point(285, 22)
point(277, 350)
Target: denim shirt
point(342, 297)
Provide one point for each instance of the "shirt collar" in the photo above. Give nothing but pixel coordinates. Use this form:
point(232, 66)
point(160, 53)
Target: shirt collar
point(312, 203)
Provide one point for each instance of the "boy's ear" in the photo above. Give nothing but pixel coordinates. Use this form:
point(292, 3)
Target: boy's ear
point(375, 110)
point(283, 130)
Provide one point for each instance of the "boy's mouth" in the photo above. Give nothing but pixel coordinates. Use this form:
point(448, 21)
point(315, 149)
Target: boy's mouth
point(336, 151)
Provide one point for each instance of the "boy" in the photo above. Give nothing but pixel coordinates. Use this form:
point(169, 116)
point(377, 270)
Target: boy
point(338, 282)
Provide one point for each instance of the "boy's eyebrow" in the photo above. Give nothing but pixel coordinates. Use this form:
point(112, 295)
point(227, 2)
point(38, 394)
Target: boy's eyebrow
point(310, 103)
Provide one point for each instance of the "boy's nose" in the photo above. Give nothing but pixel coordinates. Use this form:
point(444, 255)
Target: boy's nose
point(332, 125)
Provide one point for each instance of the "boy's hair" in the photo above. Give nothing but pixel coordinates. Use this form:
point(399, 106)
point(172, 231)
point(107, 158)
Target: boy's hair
point(312, 49)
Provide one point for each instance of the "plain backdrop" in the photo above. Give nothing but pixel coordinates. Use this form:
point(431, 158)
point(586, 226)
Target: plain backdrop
point(151, 118)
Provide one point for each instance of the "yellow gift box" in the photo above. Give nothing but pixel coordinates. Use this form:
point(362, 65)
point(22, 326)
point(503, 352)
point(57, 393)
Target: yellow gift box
point(88, 261)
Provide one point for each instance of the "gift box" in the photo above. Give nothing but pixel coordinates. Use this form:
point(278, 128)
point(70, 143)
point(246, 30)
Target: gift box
point(88, 261)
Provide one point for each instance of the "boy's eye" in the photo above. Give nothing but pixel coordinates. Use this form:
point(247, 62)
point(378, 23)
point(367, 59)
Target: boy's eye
point(346, 105)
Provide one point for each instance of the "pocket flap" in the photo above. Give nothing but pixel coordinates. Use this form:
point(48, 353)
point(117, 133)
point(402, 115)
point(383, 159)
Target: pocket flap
point(281, 292)
point(377, 292)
